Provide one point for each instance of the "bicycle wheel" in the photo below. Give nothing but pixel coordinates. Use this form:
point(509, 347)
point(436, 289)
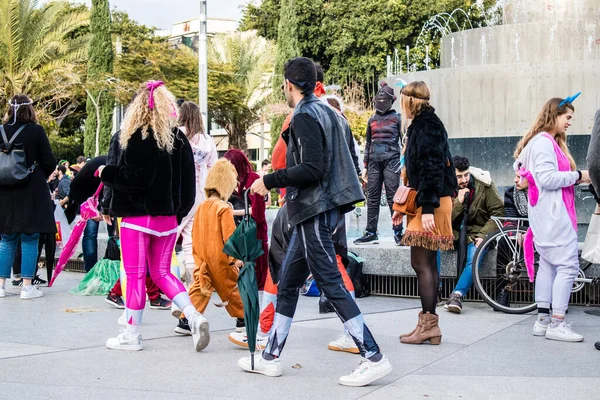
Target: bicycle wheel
point(499, 271)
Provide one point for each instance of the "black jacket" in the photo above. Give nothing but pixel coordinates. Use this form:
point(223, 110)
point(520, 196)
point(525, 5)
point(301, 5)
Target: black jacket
point(150, 181)
point(26, 207)
point(383, 137)
point(83, 186)
point(429, 166)
point(320, 173)
point(113, 157)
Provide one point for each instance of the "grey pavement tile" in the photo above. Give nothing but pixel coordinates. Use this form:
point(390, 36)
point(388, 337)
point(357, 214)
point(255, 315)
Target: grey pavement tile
point(514, 351)
point(8, 349)
point(65, 353)
point(485, 387)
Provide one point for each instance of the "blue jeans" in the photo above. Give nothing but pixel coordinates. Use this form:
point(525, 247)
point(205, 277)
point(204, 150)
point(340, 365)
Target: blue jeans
point(466, 278)
point(29, 252)
point(89, 244)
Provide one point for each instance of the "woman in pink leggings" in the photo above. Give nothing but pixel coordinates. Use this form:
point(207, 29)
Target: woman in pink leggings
point(153, 189)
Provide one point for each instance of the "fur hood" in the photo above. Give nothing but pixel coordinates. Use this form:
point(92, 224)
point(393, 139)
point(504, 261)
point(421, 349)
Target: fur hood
point(222, 179)
point(482, 176)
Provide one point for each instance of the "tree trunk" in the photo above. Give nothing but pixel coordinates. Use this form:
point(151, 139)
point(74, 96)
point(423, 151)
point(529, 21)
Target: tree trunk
point(237, 138)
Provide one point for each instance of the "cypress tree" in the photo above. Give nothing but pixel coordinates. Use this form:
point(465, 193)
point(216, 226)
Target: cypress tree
point(100, 66)
point(287, 42)
point(287, 47)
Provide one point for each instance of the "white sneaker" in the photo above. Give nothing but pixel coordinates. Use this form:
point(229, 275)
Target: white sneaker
point(124, 342)
point(241, 339)
point(344, 343)
point(32, 293)
point(123, 319)
point(539, 328)
point(200, 331)
point(2, 291)
point(367, 372)
point(563, 332)
point(261, 366)
point(175, 311)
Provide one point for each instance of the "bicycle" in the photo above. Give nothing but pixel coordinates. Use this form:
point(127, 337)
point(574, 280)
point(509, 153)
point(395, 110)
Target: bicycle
point(499, 268)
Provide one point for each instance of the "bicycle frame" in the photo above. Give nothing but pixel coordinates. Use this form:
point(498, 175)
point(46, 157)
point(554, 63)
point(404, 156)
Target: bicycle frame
point(516, 248)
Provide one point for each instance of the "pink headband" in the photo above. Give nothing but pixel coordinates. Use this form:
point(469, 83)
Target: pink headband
point(152, 86)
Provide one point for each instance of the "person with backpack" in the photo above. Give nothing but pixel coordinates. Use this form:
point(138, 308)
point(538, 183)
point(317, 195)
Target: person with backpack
point(26, 162)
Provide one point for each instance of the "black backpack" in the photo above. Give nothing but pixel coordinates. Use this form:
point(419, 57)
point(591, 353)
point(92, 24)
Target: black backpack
point(359, 280)
point(113, 251)
point(13, 169)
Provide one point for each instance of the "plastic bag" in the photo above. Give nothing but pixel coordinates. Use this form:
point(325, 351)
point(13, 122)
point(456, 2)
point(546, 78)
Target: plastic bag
point(591, 247)
point(99, 280)
point(63, 229)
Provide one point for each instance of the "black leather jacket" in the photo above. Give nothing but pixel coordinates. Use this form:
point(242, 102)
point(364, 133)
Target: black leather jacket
point(337, 185)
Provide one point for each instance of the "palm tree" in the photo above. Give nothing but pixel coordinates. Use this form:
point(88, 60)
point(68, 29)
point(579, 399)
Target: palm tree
point(42, 49)
point(240, 68)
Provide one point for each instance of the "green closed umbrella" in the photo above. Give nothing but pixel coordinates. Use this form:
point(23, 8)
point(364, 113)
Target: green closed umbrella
point(243, 245)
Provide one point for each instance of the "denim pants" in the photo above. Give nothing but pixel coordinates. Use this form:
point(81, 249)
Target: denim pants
point(29, 252)
point(466, 278)
point(89, 244)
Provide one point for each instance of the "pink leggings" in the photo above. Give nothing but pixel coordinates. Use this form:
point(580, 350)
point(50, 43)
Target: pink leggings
point(141, 249)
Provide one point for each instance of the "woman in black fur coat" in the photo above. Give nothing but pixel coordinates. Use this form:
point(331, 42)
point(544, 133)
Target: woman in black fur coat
point(429, 170)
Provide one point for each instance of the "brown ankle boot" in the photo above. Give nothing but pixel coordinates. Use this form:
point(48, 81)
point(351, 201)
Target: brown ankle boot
point(416, 327)
point(429, 331)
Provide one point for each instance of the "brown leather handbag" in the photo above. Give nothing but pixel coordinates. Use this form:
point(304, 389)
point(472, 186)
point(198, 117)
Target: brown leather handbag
point(405, 201)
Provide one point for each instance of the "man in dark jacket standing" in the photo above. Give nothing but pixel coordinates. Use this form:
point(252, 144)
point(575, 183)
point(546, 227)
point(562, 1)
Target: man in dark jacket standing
point(321, 187)
point(477, 195)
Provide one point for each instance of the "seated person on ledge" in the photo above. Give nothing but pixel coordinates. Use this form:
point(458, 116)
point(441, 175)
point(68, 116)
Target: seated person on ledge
point(477, 195)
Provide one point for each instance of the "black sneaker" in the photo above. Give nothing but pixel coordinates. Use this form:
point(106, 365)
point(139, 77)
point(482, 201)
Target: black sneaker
point(503, 298)
point(398, 238)
point(454, 303)
point(160, 304)
point(597, 345)
point(17, 282)
point(325, 305)
point(183, 328)
point(368, 238)
point(240, 325)
point(38, 281)
point(115, 301)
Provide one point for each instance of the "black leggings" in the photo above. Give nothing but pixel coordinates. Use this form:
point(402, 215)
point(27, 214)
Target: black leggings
point(424, 262)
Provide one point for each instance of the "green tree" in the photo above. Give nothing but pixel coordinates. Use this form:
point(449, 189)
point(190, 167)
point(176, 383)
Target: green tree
point(287, 47)
point(240, 66)
point(41, 49)
point(100, 104)
point(145, 56)
point(351, 39)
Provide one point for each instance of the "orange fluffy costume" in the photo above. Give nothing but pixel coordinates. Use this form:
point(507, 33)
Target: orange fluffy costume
point(213, 225)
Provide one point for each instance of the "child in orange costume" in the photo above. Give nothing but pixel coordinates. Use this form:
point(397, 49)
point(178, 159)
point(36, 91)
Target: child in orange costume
point(213, 225)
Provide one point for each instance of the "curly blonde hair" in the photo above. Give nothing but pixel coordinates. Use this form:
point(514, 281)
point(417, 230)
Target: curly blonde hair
point(160, 120)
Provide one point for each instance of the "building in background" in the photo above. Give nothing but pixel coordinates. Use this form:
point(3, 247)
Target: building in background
point(186, 33)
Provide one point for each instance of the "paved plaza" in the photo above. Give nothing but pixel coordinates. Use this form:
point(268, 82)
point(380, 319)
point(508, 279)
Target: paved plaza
point(53, 348)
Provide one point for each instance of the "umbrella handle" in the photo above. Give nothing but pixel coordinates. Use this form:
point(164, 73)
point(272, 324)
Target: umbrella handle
point(247, 204)
point(100, 187)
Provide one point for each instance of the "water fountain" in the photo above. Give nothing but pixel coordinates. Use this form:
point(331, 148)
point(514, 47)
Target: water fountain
point(492, 81)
